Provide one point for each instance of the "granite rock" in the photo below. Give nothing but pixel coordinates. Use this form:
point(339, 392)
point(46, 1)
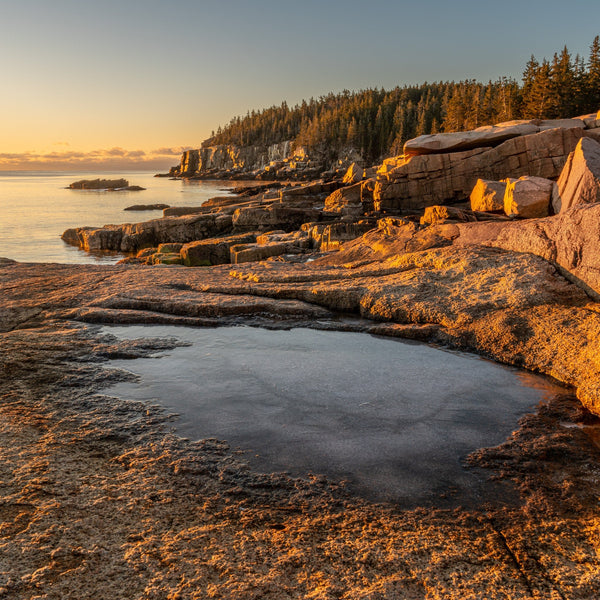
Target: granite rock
point(528, 197)
point(488, 196)
point(579, 181)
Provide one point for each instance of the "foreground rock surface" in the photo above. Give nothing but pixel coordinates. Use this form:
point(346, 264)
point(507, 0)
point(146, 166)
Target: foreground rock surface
point(99, 500)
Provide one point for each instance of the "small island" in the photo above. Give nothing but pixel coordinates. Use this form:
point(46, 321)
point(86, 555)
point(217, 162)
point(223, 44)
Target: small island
point(105, 184)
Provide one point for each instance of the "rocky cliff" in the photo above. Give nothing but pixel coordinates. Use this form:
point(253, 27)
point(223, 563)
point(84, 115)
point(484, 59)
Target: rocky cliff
point(277, 161)
point(231, 158)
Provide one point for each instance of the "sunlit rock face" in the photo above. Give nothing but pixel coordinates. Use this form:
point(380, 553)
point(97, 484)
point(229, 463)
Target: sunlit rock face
point(488, 195)
point(489, 135)
point(430, 179)
point(579, 182)
point(229, 158)
point(528, 197)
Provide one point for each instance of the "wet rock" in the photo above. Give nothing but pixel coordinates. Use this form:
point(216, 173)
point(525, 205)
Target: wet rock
point(579, 182)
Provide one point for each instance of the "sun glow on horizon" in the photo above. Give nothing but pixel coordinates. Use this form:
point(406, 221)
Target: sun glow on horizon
point(109, 159)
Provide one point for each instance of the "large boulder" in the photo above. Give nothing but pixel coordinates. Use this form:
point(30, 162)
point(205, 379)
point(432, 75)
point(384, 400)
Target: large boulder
point(354, 174)
point(440, 214)
point(579, 182)
point(488, 196)
point(489, 135)
point(528, 197)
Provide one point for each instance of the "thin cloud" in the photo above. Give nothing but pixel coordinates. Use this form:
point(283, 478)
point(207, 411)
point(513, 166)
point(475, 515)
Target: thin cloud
point(100, 159)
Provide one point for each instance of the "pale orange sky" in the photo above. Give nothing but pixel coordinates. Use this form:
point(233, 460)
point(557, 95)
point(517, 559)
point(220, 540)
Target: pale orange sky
point(82, 78)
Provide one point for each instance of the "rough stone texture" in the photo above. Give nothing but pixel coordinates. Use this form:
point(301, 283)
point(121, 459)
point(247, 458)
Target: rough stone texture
point(327, 237)
point(354, 174)
point(318, 189)
point(166, 248)
point(438, 178)
point(528, 197)
point(273, 217)
point(256, 252)
point(214, 251)
point(180, 211)
point(166, 258)
point(346, 200)
point(579, 182)
point(569, 240)
point(437, 214)
point(229, 158)
point(488, 196)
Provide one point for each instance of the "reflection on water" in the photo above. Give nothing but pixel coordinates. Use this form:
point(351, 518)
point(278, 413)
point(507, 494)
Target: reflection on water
point(395, 419)
point(35, 209)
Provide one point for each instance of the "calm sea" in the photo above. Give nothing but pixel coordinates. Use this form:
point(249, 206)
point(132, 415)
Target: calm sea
point(35, 208)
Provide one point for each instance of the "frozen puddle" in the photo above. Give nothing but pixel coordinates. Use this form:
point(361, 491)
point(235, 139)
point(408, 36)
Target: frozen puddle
point(395, 419)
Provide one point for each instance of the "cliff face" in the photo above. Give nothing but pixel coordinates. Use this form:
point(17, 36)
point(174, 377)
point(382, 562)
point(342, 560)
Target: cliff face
point(278, 161)
point(212, 159)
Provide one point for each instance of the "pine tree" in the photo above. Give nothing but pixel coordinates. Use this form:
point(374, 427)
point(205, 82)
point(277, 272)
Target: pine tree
point(562, 75)
point(592, 79)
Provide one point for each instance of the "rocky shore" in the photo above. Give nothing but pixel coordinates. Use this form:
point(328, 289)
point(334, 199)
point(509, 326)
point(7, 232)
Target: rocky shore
point(99, 500)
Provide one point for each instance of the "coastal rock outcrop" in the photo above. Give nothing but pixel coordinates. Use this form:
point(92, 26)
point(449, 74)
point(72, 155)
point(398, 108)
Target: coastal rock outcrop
point(430, 179)
point(141, 207)
point(131, 237)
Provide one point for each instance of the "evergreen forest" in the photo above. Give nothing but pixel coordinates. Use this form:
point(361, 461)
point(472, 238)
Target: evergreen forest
point(377, 122)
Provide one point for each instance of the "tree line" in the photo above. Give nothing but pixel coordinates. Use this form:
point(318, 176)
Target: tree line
point(377, 122)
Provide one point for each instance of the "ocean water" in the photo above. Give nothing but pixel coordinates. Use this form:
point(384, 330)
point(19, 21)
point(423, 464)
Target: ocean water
point(35, 209)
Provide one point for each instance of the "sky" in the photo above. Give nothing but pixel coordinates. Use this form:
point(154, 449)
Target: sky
point(131, 83)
